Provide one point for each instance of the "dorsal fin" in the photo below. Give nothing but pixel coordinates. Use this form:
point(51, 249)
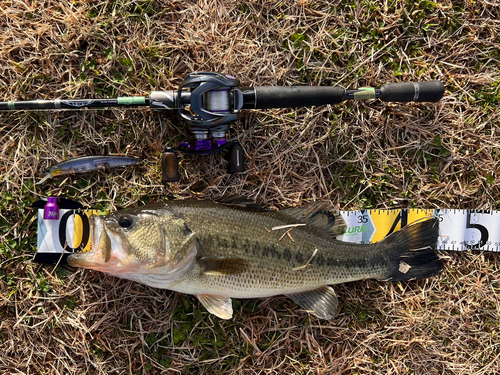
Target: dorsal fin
point(240, 202)
point(319, 216)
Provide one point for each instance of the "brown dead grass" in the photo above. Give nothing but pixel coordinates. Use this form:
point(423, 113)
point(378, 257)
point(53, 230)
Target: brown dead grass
point(357, 155)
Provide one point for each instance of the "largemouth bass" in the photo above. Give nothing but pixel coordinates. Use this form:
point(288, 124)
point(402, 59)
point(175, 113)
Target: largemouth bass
point(222, 251)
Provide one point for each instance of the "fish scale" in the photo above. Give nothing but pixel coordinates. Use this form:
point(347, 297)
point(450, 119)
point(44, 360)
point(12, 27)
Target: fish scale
point(253, 240)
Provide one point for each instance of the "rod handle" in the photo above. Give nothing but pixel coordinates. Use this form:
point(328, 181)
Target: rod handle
point(297, 96)
point(430, 91)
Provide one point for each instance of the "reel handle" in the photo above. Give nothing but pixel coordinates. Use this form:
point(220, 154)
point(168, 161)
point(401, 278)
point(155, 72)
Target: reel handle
point(169, 167)
point(235, 158)
point(170, 163)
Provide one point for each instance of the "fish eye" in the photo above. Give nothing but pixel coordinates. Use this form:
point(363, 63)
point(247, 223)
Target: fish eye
point(125, 221)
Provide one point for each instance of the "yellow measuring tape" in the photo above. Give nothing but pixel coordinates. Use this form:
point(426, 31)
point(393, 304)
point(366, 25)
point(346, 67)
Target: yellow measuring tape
point(459, 230)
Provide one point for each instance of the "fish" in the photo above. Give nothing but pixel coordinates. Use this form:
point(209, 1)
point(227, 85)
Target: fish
point(235, 249)
point(88, 164)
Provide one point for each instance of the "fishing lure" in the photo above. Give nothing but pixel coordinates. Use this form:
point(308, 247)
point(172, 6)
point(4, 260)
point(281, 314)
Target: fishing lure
point(88, 164)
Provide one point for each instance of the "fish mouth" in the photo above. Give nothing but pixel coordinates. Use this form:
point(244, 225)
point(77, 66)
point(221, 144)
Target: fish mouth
point(101, 250)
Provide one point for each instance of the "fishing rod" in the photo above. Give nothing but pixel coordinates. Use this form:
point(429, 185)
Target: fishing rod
point(208, 102)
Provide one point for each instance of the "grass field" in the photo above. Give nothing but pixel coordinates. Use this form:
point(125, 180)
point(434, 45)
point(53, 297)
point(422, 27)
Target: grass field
point(355, 155)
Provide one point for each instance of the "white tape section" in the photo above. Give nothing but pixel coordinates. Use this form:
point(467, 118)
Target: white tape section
point(70, 232)
point(459, 230)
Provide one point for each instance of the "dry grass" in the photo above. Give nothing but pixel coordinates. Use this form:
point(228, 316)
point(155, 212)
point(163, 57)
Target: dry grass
point(357, 155)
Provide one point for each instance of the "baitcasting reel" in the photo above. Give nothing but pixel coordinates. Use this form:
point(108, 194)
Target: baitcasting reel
point(208, 102)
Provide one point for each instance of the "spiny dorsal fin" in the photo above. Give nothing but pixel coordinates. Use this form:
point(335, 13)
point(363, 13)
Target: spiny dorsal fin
point(321, 302)
point(222, 266)
point(318, 215)
point(240, 202)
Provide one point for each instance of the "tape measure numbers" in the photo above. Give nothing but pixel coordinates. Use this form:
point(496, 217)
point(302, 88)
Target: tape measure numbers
point(459, 230)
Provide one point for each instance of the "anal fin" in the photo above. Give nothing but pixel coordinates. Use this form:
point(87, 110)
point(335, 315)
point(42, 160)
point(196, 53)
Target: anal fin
point(321, 302)
point(219, 306)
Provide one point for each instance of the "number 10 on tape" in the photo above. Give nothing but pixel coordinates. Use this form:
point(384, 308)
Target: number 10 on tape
point(70, 233)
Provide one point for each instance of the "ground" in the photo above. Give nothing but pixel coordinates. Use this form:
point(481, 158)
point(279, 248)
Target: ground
point(363, 154)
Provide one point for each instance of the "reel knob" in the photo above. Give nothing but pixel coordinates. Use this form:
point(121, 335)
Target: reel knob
point(235, 158)
point(169, 167)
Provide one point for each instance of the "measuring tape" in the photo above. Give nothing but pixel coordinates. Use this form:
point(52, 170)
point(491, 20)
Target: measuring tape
point(459, 230)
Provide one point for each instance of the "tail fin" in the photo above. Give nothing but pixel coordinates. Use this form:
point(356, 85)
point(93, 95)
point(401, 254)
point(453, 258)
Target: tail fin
point(414, 254)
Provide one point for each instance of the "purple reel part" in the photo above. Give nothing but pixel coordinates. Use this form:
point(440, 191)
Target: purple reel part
point(218, 142)
point(204, 145)
point(51, 209)
point(198, 145)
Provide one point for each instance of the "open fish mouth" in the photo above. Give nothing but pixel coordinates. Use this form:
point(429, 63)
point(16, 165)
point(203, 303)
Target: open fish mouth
point(101, 249)
point(108, 250)
point(101, 243)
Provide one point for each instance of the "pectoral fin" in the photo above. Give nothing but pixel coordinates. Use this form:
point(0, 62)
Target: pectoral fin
point(321, 302)
point(222, 266)
point(219, 306)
